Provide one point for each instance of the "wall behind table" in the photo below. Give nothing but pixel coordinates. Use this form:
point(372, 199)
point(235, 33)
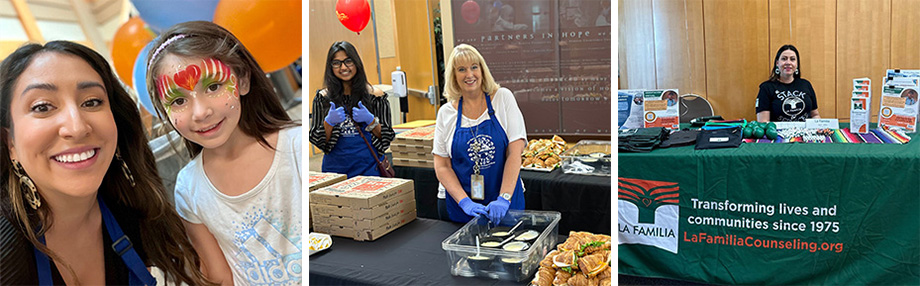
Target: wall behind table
point(722, 49)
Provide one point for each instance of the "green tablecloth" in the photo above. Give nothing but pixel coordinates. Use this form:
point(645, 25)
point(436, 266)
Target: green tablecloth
point(728, 216)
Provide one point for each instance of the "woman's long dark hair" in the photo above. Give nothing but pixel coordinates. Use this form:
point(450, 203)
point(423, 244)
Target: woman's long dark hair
point(798, 60)
point(261, 109)
point(164, 236)
point(334, 86)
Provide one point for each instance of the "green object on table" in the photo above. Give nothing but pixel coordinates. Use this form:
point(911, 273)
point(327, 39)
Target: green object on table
point(871, 188)
point(771, 133)
point(746, 132)
point(758, 133)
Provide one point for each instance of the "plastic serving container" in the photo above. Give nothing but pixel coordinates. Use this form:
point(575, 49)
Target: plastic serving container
point(498, 263)
point(587, 157)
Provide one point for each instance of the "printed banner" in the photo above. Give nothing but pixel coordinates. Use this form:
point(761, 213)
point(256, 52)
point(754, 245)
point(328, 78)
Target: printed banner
point(774, 219)
point(554, 55)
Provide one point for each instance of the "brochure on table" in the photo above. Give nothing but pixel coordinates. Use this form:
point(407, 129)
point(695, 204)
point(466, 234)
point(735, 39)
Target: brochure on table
point(660, 108)
point(898, 106)
point(629, 105)
point(860, 104)
point(859, 115)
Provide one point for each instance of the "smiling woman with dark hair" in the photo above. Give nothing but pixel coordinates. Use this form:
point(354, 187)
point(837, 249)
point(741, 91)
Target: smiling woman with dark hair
point(347, 105)
point(78, 175)
point(786, 96)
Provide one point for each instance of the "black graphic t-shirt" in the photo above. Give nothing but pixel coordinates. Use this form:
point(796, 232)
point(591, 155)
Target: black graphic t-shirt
point(787, 102)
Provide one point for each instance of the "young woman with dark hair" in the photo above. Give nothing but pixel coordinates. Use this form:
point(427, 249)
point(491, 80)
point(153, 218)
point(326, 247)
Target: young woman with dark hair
point(76, 169)
point(347, 105)
point(786, 96)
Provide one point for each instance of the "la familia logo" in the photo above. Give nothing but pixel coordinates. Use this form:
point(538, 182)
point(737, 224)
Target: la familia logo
point(648, 213)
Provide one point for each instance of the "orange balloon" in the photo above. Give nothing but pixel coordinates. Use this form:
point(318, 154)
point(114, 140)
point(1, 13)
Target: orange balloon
point(129, 40)
point(270, 29)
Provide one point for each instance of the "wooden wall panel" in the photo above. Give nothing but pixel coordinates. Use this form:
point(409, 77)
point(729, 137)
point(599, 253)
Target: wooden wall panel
point(905, 34)
point(737, 54)
point(679, 52)
point(811, 26)
point(636, 45)
point(414, 51)
point(863, 48)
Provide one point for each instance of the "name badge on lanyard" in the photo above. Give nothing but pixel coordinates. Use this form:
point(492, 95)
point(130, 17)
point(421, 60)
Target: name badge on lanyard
point(478, 187)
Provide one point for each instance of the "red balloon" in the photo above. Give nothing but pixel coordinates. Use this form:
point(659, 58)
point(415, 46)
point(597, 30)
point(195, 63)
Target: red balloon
point(470, 11)
point(354, 14)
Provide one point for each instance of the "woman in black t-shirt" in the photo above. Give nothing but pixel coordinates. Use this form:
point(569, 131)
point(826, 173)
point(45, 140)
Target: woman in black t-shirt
point(786, 96)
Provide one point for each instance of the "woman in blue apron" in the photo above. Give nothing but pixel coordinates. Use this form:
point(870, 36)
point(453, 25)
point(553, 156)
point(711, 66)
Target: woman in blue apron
point(346, 106)
point(80, 198)
point(481, 169)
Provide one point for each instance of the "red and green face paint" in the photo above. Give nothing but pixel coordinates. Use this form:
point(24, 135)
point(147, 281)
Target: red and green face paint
point(211, 75)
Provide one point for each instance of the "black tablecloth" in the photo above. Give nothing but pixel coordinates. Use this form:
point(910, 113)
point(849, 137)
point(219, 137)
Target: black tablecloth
point(410, 255)
point(584, 201)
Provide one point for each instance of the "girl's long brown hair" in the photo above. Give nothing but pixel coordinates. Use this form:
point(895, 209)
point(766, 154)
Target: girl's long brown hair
point(261, 109)
point(164, 237)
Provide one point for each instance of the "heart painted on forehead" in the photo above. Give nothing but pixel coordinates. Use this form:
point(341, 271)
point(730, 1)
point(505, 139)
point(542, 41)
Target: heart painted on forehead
point(188, 78)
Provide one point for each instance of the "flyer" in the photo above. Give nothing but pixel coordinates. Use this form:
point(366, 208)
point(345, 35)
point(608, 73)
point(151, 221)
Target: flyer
point(898, 108)
point(632, 108)
point(660, 108)
point(859, 115)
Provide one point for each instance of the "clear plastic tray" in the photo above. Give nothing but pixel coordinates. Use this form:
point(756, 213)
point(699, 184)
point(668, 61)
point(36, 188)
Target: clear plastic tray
point(461, 245)
point(587, 157)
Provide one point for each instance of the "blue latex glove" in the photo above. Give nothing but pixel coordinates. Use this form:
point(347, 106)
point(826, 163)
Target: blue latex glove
point(497, 210)
point(471, 208)
point(336, 115)
point(361, 114)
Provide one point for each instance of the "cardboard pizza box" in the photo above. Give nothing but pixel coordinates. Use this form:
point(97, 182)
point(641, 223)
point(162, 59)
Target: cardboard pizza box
point(366, 223)
point(422, 136)
point(319, 180)
point(427, 156)
point(413, 163)
point(362, 191)
point(406, 200)
point(367, 234)
point(397, 147)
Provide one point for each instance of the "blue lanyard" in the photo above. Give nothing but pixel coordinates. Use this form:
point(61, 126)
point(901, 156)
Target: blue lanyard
point(139, 275)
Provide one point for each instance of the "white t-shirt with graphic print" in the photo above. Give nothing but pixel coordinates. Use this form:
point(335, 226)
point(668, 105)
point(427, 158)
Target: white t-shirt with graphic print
point(259, 231)
point(506, 110)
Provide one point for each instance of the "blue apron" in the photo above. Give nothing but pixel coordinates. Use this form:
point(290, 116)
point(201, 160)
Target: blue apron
point(350, 156)
point(121, 244)
point(492, 163)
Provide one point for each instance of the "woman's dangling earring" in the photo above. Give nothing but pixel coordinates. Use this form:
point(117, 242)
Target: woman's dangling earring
point(124, 168)
point(776, 70)
point(26, 184)
point(796, 70)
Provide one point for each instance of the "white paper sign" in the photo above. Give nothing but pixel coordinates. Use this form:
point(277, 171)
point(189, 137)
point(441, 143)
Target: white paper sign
point(821, 123)
point(789, 124)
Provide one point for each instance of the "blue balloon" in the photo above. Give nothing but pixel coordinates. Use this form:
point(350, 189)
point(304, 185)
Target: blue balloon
point(161, 14)
point(140, 77)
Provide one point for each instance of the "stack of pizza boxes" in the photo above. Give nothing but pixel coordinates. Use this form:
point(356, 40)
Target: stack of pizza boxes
point(319, 180)
point(413, 148)
point(363, 208)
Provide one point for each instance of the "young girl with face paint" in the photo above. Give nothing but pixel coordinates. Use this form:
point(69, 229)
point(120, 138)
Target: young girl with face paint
point(349, 105)
point(240, 195)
